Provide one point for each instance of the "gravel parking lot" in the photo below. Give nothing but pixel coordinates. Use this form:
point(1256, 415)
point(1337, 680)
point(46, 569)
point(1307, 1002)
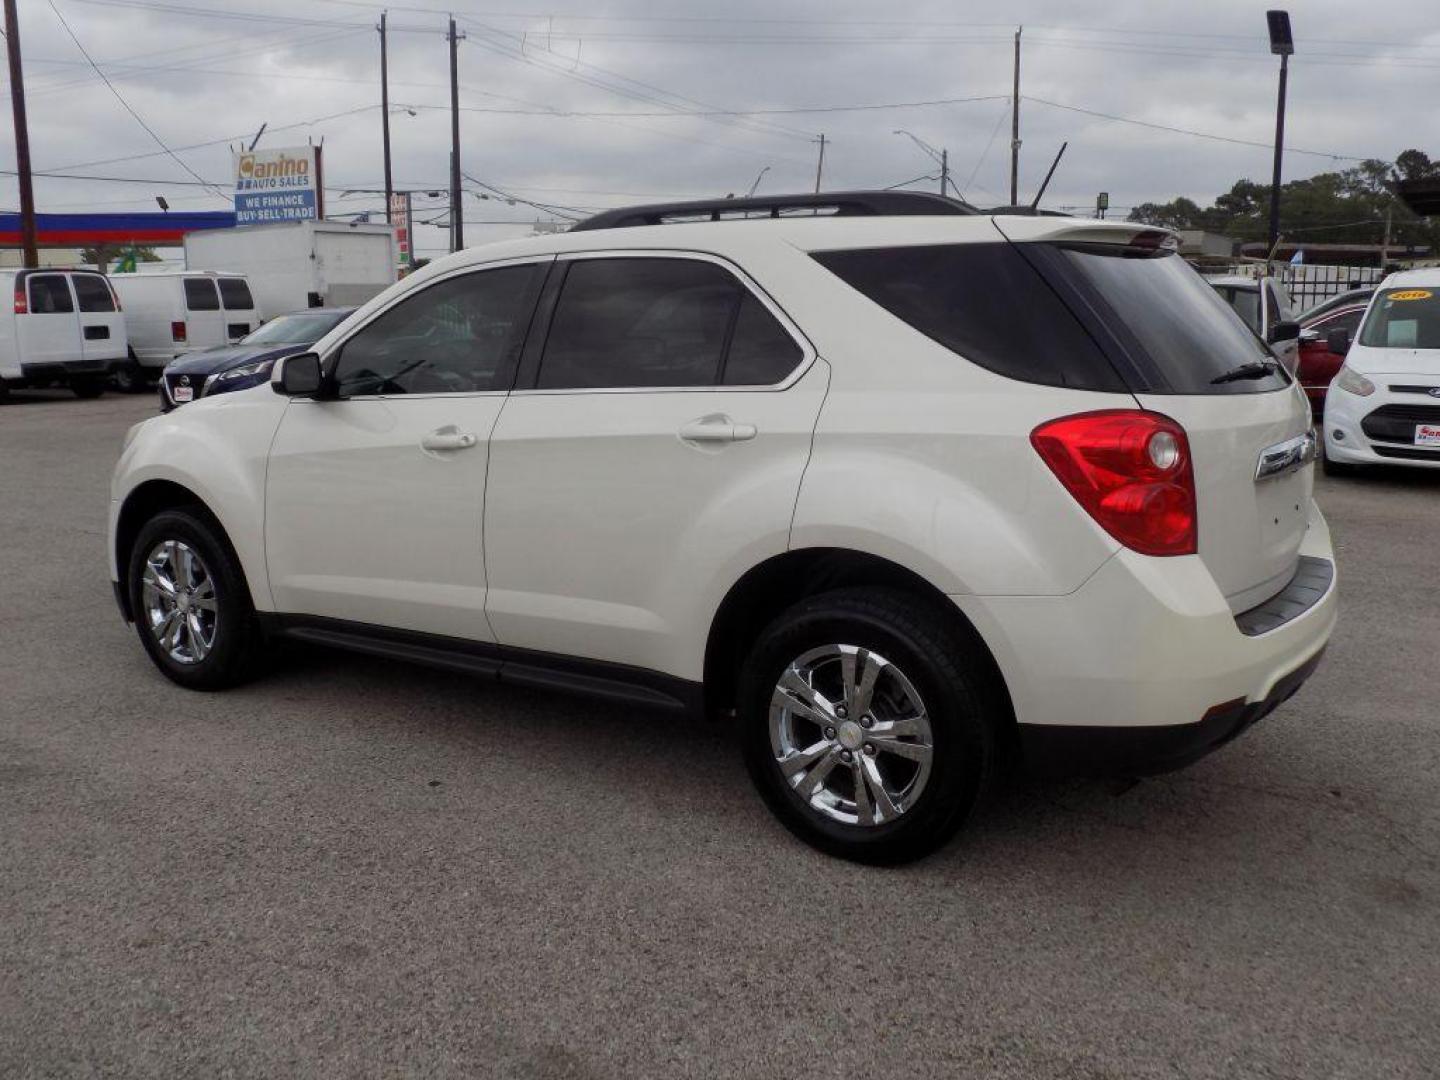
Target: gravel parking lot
point(359, 868)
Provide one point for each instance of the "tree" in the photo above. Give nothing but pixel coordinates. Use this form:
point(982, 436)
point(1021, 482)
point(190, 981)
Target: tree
point(1334, 207)
point(102, 255)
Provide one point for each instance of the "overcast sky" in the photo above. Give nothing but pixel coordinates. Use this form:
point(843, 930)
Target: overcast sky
point(1363, 83)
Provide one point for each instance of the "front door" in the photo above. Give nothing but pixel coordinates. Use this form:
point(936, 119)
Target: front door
point(374, 498)
point(49, 332)
point(652, 457)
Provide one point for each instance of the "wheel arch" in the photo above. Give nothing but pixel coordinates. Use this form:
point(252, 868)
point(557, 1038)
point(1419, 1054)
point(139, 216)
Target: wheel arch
point(769, 588)
point(145, 501)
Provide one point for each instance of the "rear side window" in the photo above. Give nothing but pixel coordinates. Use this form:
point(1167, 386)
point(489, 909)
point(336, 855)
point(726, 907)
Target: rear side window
point(235, 294)
point(200, 294)
point(93, 293)
point(50, 295)
point(984, 302)
point(1404, 319)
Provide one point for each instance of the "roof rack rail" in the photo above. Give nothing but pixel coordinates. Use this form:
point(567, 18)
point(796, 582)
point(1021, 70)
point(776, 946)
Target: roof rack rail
point(833, 203)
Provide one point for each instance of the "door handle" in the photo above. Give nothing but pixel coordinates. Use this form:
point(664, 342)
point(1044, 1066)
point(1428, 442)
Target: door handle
point(711, 429)
point(448, 438)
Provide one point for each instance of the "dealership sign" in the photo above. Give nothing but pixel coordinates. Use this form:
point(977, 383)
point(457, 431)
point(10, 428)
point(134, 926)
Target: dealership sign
point(275, 185)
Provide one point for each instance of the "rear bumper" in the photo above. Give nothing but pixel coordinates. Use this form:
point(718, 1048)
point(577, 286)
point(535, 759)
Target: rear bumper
point(1060, 750)
point(65, 369)
point(1145, 667)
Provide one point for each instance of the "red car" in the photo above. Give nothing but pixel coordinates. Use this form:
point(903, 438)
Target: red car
point(1318, 365)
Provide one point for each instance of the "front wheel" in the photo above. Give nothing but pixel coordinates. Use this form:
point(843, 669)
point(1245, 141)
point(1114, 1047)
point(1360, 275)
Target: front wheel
point(191, 604)
point(869, 724)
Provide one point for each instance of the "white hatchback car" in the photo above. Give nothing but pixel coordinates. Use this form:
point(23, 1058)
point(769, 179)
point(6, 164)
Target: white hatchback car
point(904, 489)
point(1383, 407)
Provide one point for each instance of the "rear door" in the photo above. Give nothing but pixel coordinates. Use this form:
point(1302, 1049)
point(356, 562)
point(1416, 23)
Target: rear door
point(241, 317)
point(204, 318)
point(49, 331)
point(649, 455)
point(102, 327)
point(1188, 356)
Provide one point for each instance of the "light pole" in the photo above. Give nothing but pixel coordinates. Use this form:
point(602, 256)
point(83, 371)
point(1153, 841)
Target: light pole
point(1282, 44)
point(759, 176)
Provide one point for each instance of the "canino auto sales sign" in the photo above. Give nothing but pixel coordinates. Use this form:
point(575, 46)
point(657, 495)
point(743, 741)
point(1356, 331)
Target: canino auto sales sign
point(275, 185)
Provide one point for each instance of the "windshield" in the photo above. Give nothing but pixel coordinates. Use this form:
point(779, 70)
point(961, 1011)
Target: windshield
point(1403, 319)
point(1183, 328)
point(302, 328)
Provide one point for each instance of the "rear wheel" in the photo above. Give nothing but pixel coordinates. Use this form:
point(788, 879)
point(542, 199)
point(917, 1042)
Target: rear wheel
point(87, 386)
point(129, 377)
point(868, 723)
point(192, 606)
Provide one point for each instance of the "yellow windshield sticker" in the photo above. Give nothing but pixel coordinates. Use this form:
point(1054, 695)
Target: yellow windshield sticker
point(1411, 294)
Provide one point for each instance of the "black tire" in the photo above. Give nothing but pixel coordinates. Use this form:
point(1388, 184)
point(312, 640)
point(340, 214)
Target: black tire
point(941, 660)
point(129, 377)
point(87, 386)
point(236, 646)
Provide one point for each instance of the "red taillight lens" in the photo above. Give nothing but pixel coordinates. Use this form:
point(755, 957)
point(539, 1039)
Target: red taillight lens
point(1131, 472)
point(22, 306)
point(177, 331)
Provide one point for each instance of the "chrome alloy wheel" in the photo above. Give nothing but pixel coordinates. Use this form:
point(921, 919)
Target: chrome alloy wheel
point(178, 596)
point(851, 735)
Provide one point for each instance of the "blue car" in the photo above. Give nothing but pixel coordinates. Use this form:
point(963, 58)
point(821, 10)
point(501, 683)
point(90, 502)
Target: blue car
point(247, 363)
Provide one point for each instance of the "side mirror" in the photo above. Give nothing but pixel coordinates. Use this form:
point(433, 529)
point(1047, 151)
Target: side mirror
point(297, 376)
point(1338, 342)
point(1283, 331)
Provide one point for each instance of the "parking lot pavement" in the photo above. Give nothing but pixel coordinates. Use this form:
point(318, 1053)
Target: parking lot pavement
point(358, 868)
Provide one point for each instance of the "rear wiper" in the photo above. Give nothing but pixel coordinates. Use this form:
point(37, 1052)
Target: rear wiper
point(1251, 369)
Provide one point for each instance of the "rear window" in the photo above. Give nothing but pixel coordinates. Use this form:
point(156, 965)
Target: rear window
point(984, 302)
point(50, 295)
point(1178, 333)
point(235, 294)
point(1403, 319)
point(93, 293)
point(200, 294)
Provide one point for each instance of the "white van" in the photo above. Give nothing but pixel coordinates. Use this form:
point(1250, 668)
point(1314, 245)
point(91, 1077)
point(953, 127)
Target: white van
point(63, 328)
point(174, 312)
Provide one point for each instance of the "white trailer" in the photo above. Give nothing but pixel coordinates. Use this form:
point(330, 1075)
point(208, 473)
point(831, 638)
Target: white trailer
point(301, 264)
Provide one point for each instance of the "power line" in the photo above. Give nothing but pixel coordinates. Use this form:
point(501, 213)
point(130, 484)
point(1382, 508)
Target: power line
point(793, 111)
point(138, 118)
point(1189, 131)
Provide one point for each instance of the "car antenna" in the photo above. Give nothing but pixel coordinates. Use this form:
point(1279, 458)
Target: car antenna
point(1035, 202)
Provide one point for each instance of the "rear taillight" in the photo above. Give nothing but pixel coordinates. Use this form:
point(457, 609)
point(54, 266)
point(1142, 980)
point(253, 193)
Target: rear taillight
point(22, 306)
point(177, 331)
point(1131, 472)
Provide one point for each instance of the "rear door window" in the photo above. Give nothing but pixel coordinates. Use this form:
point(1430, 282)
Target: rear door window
point(761, 351)
point(985, 302)
point(235, 294)
point(200, 294)
point(50, 295)
point(639, 322)
point(93, 293)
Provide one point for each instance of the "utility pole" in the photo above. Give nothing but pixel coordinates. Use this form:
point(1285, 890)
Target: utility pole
point(1015, 127)
point(22, 137)
point(944, 171)
point(1385, 244)
point(820, 166)
point(457, 224)
point(385, 113)
point(1282, 43)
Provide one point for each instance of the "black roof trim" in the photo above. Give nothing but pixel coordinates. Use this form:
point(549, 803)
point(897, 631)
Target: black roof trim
point(844, 203)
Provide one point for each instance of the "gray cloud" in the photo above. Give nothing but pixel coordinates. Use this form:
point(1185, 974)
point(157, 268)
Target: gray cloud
point(200, 70)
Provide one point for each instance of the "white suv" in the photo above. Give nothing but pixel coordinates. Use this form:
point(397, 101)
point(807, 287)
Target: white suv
point(906, 490)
